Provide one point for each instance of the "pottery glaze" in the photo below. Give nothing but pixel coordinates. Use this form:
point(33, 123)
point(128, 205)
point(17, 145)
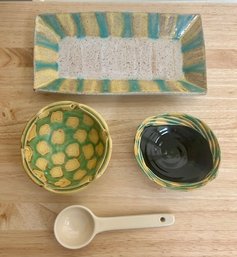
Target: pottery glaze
point(177, 151)
point(52, 29)
point(65, 147)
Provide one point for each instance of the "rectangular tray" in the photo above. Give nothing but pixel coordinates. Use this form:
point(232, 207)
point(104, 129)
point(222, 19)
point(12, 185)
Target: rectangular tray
point(154, 53)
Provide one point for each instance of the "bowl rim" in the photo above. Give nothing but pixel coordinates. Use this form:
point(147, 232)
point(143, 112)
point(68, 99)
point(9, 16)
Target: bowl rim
point(96, 116)
point(185, 120)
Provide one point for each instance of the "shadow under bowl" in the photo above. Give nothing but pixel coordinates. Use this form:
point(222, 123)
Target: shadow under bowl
point(65, 146)
point(177, 151)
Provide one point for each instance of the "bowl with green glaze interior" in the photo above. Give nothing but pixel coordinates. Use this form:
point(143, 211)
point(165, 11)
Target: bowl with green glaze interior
point(65, 147)
point(177, 151)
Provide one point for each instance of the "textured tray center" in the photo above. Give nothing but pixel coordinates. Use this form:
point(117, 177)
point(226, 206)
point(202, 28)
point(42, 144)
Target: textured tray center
point(120, 58)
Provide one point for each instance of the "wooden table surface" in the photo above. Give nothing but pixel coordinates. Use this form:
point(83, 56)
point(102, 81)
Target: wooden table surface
point(206, 219)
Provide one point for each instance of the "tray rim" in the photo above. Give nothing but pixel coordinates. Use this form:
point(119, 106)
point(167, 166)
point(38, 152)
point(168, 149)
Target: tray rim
point(203, 90)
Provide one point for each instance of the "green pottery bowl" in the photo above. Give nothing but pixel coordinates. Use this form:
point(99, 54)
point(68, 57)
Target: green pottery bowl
point(177, 151)
point(65, 146)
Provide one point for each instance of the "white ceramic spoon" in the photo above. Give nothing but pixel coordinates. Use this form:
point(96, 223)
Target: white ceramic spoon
point(76, 226)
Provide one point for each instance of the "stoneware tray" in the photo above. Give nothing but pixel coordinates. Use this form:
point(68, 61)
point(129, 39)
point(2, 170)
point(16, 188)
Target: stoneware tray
point(119, 53)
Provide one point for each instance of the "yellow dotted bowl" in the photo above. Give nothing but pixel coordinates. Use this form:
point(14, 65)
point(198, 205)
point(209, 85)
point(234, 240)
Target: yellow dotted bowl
point(65, 146)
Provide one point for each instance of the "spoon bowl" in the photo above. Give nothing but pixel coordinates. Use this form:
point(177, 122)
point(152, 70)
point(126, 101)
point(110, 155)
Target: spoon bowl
point(76, 226)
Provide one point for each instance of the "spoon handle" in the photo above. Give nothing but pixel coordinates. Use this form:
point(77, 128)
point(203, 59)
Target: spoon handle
point(133, 222)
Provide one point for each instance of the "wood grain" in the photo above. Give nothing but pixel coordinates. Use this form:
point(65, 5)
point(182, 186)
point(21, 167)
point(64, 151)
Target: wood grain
point(206, 222)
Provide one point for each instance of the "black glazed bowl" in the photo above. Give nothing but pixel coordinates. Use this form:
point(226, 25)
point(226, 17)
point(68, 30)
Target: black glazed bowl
point(177, 151)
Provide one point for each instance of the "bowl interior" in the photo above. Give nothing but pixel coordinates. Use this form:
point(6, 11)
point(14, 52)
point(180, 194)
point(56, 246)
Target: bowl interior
point(176, 153)
point(64, 147)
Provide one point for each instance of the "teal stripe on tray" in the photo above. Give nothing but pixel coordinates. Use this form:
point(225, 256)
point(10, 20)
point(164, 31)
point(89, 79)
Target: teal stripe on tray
point(106, 85)
point(39, 65)
point(53, 22)
point(102, 22)
point(191, 88)
point(197, 42)
point(182, 23)
point(79, 27)
point(41, 40)
point(134, 86)
point(162, 85)
point(127, 26)
point(153, 25)
point(198, 67)
point(54, 86)
point(80, 85)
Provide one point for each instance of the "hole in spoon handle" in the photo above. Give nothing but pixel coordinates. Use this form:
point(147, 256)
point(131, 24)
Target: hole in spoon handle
point(166, 219)
point(162, 219)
